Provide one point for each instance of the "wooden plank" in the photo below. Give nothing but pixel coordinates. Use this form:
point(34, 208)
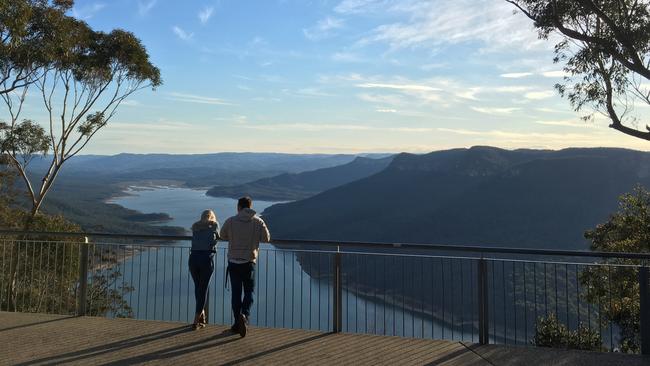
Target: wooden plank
point(433, 353)
point(87, 340)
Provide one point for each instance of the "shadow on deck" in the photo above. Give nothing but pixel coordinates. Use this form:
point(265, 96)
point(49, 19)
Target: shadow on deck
point(38, 339)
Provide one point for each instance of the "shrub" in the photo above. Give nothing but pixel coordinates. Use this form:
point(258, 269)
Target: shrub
point(550, 332)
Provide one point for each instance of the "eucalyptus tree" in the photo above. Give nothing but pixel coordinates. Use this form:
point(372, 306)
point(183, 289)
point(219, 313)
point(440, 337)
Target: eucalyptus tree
point(604, 46)
point(28, 39)
point(88, 74)
point(78, 76)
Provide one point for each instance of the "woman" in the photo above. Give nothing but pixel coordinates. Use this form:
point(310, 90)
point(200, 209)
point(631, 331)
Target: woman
point(204, 242)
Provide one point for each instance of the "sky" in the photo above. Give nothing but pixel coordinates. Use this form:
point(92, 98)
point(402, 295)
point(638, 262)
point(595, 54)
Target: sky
point(340, 76)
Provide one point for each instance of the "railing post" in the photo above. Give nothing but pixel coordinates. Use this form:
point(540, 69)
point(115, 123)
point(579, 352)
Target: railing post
point(483, 320)
point(207, 306)
point(644, 295)
point(83, 278)
point(337, 293)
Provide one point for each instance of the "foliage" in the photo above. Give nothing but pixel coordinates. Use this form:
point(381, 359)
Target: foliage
point(42, 275)
point(30, 40)
point(24, 140)
point(82, 77)
point(106, 290)
point(550, 332)
point(616, 288)
point(605, 49)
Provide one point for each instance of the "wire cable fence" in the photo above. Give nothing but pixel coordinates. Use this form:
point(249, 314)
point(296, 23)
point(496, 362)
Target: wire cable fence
point(470, 298)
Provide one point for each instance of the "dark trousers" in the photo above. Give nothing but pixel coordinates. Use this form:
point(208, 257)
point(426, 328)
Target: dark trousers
point(201, 268)
point(242, 276)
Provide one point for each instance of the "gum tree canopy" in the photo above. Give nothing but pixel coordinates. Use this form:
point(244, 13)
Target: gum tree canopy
point(78, 75)
point(28, 39)
point(605, 49)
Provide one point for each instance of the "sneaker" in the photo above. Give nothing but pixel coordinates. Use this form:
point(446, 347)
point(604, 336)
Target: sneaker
point(242, 325)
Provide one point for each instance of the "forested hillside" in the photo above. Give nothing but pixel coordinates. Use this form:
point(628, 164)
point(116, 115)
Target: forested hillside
point(477, 196)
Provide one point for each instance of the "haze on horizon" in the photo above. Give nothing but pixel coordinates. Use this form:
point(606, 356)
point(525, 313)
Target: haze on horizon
point(339, 76)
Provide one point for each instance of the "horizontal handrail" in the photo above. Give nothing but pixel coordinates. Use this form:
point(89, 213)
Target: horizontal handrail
point(337, 245)
point(97, 235)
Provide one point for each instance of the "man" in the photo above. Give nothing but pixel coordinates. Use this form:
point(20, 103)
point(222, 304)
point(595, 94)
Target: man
point(244, 233)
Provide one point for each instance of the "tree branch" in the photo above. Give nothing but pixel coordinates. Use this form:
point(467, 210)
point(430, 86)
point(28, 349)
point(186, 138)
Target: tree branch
point(611, 111)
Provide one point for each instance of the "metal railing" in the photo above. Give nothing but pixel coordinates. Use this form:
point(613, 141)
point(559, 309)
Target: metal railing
point(475, 294)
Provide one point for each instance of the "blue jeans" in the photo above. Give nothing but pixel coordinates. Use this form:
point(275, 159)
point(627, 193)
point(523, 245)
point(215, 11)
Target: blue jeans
point(201, 268)
point(242, 276)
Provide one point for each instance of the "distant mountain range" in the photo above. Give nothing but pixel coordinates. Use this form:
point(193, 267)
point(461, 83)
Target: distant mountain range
point(123, 163)
point(294, 186)
point(200, 170)
point(476, 196)
point(86, 181)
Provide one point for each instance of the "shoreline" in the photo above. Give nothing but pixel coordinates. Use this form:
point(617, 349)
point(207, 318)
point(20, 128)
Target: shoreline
point(130, 190)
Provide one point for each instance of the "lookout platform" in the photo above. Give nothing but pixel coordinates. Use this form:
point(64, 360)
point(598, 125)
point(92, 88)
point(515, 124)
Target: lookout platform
point(40, 339)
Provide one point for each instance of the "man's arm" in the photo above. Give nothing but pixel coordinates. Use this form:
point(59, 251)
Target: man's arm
point(224, 234)
point(265, 236)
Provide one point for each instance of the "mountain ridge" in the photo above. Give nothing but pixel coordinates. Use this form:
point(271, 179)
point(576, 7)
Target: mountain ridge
point(476, 196)
point(293, 186)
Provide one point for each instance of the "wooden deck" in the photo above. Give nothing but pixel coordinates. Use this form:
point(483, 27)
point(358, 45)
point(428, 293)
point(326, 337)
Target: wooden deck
point(39, 339)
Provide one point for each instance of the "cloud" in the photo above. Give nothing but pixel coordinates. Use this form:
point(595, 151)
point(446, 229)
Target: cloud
point(205, 14)
point(530, 136)
point(392, 100)
point(434, 66)
point(357, 6)
point(516, 75)
point(88, 11)
point(554, 74)
point(324, 28)
point(182, 34)
point(550, 110)
point(407, 87)
point(552, 140)
point(435, 23)
point(567, 123)
point(319, 127)
point(148, 127)
point(346, 57)
point(468, 94)
point(306, 92)
point(495, 111)
point(539, 95)
point(512, 89)
point(414, 92)
point(237, 118)
point(386, 110)
point(130, 103)
point(145, 6)
point(192, 98)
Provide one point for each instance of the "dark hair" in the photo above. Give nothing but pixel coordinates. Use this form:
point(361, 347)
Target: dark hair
point(245, 202)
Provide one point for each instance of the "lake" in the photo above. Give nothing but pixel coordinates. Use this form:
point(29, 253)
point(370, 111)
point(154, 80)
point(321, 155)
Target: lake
point(285, 296)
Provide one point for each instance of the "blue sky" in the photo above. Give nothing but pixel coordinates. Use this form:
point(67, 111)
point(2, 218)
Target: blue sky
point(340, 76)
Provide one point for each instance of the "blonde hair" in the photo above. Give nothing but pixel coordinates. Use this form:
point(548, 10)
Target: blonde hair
point(208, 217)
